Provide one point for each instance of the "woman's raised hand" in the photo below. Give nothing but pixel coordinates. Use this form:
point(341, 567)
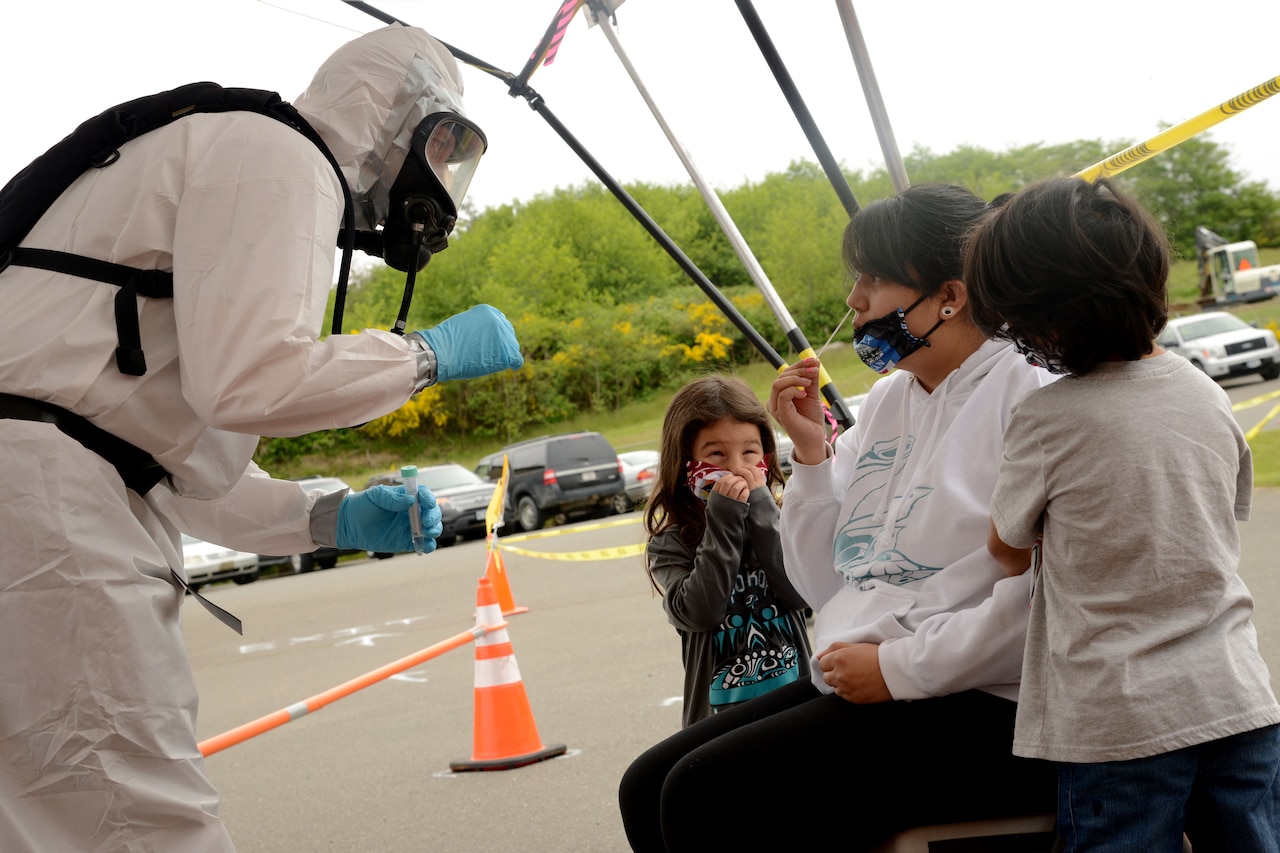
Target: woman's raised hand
point(796, 404)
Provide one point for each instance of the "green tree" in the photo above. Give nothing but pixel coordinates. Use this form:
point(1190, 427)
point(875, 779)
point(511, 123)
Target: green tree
point(793, 222)
point(1193, 184)
point(605, 316)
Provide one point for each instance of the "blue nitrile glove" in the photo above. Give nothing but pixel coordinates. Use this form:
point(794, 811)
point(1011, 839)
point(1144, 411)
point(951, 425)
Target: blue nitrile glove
point(377, 519)
point(477, 342)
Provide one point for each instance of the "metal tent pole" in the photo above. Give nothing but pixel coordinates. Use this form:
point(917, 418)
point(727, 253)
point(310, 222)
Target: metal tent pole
point(538, 105)
point(727, 225)
point(828, 162)
point(871, 90)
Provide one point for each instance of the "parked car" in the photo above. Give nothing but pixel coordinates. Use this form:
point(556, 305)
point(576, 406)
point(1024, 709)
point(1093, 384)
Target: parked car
point(206, 563)
point(639, 472)
point(1223, 345)
point(572, 475)
point(326, 556)
point(463, 498)
point(785, 446)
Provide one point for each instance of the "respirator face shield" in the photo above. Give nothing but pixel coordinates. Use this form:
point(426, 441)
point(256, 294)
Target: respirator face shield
point(452, 148)
point(444, 151)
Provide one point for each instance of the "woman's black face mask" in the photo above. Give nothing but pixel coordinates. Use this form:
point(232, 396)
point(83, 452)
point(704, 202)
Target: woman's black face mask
point(885, 341)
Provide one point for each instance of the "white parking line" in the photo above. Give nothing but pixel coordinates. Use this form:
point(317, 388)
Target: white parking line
point(361, 635)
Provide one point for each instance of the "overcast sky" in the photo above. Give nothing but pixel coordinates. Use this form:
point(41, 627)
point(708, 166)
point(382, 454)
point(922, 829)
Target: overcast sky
point(989, 73)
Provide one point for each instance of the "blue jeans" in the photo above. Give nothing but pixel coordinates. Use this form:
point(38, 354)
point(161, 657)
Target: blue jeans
point(1224, 794)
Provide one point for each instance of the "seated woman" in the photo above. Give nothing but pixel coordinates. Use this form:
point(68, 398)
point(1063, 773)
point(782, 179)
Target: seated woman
point(908, 718)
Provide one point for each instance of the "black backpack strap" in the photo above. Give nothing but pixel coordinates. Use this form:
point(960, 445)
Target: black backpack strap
point(136, 467)
point(139, 470)
point(132, 283)
point(96, 144)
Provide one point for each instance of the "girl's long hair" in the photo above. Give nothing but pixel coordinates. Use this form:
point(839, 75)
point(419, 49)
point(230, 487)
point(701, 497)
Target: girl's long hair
point(698, 404)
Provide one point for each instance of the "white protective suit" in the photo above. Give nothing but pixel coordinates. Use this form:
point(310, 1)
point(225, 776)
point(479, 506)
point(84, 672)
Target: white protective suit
point(97, 701)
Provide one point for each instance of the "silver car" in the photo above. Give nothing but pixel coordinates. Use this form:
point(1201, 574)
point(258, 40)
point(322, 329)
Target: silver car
point(640, 472)
point(1223, 345)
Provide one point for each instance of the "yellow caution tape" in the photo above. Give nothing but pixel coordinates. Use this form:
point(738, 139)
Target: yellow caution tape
point(560, 531)
point(1253, 433)
point(1179, 133)
point(581, 556)
point(1254, 401)
point(594, 554)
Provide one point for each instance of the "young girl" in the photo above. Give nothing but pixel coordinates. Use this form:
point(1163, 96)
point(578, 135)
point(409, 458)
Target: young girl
point(714, 550)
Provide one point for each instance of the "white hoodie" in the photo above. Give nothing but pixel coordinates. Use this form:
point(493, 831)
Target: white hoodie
point(887, 541)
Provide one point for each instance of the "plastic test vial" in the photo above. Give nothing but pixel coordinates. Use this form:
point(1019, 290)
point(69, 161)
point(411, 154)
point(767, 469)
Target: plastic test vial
point(409, 475)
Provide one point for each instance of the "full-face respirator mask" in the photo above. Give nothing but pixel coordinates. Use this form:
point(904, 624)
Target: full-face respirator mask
point(423, 201)
point(444, 151)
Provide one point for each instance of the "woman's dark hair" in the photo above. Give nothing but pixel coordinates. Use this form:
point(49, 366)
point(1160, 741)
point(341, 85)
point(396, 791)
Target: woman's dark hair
point(915, 238)
point(1075, 270)
point(699, 404)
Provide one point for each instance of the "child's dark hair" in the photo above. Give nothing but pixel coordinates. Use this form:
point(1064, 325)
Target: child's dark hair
point(700, 403)
point(1075, 270)
point(914, 238)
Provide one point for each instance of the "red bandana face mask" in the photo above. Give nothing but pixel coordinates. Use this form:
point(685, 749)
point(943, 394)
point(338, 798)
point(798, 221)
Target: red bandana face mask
point(701, 476)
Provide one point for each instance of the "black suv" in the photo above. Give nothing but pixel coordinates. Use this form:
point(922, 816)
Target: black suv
point(574, 475)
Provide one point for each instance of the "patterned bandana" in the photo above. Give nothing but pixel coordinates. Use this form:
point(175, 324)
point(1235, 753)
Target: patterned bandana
point(701, 476)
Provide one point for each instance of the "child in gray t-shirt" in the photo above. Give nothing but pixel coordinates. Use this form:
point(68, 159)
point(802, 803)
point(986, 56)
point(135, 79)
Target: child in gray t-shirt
point(1142, 677)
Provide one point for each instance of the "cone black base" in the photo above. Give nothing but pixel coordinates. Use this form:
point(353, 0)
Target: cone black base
point(510, 762)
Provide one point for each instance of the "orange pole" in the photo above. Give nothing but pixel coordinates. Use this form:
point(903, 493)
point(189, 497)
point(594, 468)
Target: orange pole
point(217, 743)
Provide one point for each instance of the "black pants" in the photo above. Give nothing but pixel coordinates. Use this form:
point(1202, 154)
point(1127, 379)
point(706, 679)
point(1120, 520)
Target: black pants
point(797, 767)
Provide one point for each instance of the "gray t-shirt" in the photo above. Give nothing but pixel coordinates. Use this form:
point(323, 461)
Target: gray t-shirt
point(1140, 640)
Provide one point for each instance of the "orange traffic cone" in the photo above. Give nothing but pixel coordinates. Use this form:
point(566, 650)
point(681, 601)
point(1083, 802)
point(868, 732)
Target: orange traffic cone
point(496, 572)
point(505, 734)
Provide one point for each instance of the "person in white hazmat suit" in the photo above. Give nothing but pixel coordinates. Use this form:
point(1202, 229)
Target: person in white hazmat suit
point(97, 700)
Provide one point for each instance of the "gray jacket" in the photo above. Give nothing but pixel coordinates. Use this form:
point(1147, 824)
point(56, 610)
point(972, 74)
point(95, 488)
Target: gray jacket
point(740, 620)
